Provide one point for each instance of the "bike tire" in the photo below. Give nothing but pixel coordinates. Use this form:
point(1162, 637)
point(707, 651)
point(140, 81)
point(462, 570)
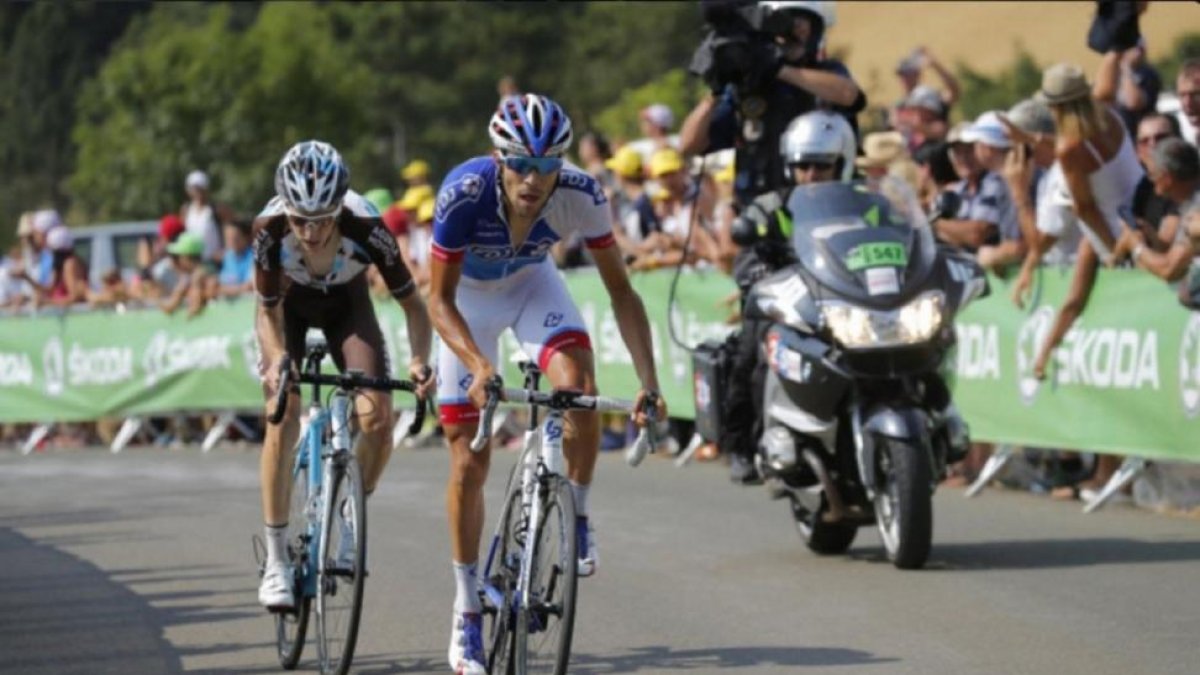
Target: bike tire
point(291, 627)
point(340, 585)
point(545, 627)
point(501, 630)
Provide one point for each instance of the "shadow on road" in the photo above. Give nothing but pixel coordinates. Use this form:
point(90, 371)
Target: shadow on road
point(663, 658)
point(60, 614)
point(1048, 553)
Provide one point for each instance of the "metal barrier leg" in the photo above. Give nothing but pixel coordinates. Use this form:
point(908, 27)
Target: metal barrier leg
point(686, 456)
point(39, 432)
point(402, 421)
point(218, 430)
point(128, 430)
point(991, 469)
point(1129, 470)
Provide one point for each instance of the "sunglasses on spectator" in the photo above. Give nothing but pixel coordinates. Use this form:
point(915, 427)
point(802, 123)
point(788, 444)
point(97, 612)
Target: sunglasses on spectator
point(1155, 139)
point(543, 165)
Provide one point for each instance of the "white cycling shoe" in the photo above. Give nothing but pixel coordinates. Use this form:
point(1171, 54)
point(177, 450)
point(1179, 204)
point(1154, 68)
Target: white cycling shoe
point(275, 591)
point(466, 644)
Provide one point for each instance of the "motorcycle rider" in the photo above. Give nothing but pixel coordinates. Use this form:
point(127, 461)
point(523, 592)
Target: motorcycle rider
point(817, 147)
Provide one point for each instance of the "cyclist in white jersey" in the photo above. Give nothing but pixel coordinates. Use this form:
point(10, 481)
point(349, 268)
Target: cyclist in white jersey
point(496, 218)
point(312, 245)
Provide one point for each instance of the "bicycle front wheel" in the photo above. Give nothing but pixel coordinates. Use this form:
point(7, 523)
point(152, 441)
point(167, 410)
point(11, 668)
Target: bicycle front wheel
point(506, 567)
point(290, 627)
point(545, 624)
point(342, 568)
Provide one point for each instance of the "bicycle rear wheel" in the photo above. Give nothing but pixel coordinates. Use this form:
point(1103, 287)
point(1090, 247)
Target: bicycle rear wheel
point(290, 627)
point(506, 567)
point(545, 626)
point(342, 568)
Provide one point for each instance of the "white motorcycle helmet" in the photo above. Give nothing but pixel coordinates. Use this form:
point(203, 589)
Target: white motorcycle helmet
point(819, 136)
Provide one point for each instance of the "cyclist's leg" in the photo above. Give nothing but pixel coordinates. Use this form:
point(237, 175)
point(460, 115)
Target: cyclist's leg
point(552, 331)
point(357, 343)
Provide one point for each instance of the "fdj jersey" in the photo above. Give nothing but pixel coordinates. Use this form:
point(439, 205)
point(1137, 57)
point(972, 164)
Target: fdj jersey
point(469, 224)
point(506, 287)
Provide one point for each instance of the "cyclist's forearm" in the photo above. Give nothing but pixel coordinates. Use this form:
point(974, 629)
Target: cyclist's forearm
point(635, 331)
point(452, 329)
point(420, 330)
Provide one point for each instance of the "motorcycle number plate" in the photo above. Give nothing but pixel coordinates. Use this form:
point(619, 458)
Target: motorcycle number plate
point(882, 280)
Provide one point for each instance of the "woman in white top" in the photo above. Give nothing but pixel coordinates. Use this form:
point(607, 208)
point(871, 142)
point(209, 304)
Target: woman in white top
point(1101, 173)
point(202, 217)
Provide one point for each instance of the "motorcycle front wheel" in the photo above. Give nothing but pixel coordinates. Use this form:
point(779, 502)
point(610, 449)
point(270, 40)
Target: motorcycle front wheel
point(904, 504)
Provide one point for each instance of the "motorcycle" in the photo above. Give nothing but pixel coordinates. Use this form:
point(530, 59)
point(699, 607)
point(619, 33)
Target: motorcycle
point(857, 426)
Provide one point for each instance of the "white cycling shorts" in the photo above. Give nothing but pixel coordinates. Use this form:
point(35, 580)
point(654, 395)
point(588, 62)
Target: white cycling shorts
point(534, 303)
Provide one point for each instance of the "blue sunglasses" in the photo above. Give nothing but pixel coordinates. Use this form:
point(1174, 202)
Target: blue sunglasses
point(543, 165)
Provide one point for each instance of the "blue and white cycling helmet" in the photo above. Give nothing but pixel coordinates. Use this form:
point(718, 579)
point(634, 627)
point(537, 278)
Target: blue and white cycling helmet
point(312, 179)
point(530, 125)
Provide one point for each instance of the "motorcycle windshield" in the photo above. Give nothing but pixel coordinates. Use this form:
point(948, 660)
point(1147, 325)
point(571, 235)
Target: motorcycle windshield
point(865, 241)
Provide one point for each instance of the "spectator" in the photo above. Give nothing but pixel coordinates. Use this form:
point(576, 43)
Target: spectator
point(1187, 88)
point(420, 242)
point(923, 117)
point(14, 291)
point(680, 202)
point(1127, 80)
point(416, 174)
point(202, 217)
point(1035, 181)
point(1101, 173)
point(413, 197)
point(380, 198)
point(113, 291)
point(992, 147)
point(237, 267)
point(594, 151)
point(157, 276)
point(626, 168)
point(909, 71)
point(187, 258)
point(935, 171)
point(884, 154)
point(43, 221)
point(68, 279)
point(986, 214)
point(1150, 208)
point(1175, 171)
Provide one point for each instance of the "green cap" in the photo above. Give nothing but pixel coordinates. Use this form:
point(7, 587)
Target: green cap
point(380, 198)
point(188, 244)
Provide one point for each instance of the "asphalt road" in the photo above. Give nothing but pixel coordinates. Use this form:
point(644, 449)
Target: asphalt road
point(141, 563)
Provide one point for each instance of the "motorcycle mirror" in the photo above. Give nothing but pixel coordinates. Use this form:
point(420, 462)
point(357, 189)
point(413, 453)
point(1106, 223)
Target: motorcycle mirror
point(743, 231)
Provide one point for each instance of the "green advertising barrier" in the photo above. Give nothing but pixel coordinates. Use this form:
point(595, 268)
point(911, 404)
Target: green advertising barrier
point(1125, 380)
point(85, 365)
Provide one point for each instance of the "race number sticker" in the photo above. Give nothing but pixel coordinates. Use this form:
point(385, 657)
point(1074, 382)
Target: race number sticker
point(882, 280)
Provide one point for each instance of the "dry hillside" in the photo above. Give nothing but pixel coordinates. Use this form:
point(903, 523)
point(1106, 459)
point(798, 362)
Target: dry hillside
point(875, 35)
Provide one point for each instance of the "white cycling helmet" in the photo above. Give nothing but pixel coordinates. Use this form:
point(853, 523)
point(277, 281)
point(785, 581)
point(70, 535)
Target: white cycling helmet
point(312, 179)
point(819, 136)
point(530, 125)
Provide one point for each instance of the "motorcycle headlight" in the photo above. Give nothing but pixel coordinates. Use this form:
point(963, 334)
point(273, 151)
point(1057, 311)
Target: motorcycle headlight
point(856, 327)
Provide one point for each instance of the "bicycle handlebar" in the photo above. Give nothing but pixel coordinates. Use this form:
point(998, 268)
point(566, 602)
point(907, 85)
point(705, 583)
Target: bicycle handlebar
point(344, 381)
point(495, 390)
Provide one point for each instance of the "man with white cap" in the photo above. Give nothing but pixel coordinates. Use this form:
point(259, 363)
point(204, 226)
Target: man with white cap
point(987, 216)
point(203, 218)
point(43, 221)
point(992, 146)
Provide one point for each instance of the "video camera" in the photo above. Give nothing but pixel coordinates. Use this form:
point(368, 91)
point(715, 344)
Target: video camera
point(741, 48)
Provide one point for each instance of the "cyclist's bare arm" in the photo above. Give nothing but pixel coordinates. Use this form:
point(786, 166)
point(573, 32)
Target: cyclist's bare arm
point(449, 321)
point(268, 315)
point(631, 317)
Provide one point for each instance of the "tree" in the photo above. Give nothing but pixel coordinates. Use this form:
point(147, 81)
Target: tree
point(981, 93)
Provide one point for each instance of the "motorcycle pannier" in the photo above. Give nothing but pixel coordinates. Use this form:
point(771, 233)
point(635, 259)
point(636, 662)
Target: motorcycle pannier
point(710, 372)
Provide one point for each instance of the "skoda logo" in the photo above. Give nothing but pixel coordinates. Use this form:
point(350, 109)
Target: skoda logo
point(53, 366)
point(1189, 366)
point(1030, 338)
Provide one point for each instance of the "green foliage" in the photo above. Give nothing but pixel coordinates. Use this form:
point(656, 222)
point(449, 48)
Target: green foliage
point(981, 93)
point(676, 89)
point(1186, 46)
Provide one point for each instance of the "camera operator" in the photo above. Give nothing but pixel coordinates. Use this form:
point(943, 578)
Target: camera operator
point(764, 68)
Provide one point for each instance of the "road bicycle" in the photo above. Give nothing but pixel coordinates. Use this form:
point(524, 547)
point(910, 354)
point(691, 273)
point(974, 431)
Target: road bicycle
point(529, 579)
point(329, 558)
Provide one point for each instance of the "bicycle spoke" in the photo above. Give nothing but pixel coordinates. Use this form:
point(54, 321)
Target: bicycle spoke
point(340, 579)
point(545, 627)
